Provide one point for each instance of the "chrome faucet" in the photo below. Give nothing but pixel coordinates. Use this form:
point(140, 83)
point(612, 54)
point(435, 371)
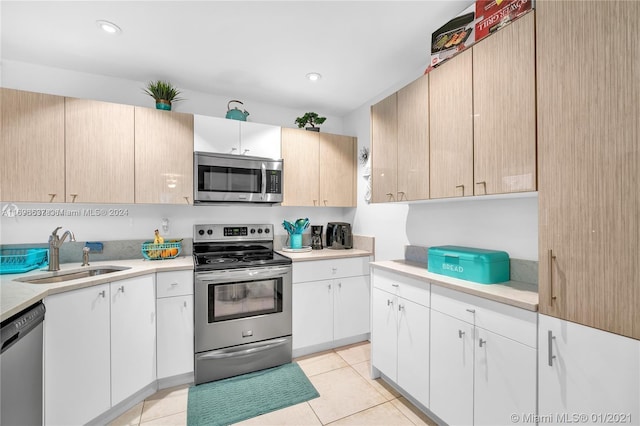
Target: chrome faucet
point(54, 247)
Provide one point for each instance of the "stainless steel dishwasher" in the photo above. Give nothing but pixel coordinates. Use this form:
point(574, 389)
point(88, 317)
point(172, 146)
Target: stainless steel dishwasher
point(21, 368)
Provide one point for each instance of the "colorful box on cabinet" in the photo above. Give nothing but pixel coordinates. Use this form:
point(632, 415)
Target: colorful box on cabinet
point(471, 264)
point(491, 15)
point(453, 37)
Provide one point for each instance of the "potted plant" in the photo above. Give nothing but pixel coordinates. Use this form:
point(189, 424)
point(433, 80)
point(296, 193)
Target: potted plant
point(163, 92)
point(312, 119)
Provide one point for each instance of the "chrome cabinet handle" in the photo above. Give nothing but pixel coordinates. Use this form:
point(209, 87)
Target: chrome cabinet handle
point(52, 197)
point(484, 185)
point(482, 342)
point(550, 338)
point(400, 195)
point(460, 333)
point(244, 152)
point(186, 199)
point(315, 202)
point(73, 197)
point(102, 293)
point(472, 311)
point(389, 302)
point(325, 202)
point(340, 284)
point(395, 285)
point(173, 284)
point(400, 307)
point(185, 303)
point(233, 149)
point(460, 186)
point(329, 286)
point(552, 257)
point(121, 288)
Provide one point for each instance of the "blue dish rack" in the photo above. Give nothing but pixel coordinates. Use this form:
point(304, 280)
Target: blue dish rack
point(15, 261)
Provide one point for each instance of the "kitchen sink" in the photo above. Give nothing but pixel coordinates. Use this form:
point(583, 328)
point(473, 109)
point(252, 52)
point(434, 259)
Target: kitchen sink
point(57, 277)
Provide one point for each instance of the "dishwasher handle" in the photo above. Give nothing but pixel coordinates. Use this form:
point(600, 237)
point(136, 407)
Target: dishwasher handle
point(15, 328)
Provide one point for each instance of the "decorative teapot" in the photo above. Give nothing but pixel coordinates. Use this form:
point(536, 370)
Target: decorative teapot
point(235, 113)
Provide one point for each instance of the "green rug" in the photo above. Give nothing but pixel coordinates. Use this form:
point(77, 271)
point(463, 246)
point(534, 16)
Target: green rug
point(242, 397)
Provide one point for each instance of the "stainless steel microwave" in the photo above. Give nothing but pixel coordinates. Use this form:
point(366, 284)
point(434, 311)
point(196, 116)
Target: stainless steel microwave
point(227, 178)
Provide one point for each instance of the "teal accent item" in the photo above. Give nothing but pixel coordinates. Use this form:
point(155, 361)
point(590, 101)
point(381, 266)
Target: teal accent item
point(242, 397)
point(296, 241)
point(15, 261)
point(471, 264)
point(235, 113)
point(163, 105)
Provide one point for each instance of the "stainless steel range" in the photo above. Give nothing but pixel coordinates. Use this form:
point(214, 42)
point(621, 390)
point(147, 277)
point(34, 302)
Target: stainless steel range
point(242, 301)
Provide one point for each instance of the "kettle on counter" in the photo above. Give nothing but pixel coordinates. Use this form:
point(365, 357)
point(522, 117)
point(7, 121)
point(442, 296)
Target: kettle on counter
point(235, 113)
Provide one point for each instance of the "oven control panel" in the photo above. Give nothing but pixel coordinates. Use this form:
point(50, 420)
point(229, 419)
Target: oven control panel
point(227, 232)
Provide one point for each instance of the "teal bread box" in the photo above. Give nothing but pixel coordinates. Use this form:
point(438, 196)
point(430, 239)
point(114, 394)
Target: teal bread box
point(471, 264)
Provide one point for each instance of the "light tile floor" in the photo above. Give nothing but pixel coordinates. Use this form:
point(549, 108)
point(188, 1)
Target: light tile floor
point(347, 397)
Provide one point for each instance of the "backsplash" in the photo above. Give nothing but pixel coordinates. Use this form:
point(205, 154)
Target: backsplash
point(524, 271)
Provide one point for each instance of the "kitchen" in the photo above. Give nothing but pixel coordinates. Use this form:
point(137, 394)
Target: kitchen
point(505, 223)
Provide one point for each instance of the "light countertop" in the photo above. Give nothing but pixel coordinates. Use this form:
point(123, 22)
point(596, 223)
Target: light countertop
point(325, 254)
point(16, 296)
point(512, 293)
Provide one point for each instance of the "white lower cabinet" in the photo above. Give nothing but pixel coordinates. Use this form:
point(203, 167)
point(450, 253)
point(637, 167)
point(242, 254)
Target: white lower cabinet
point(77, 354)
point(400, 332)
point(133, 333)
point(99, 348)
point(587, 376)
point(483, 359)
point(175, 323)
point(330, 303)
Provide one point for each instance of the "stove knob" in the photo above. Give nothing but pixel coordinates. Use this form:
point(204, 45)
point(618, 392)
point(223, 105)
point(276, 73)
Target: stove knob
point(266, 230)
point(253, 231)
point(201, 232)
point(209, 232)
point(259, 230)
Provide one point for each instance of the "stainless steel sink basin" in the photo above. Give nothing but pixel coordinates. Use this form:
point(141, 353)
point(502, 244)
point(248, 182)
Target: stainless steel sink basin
point(57, 277)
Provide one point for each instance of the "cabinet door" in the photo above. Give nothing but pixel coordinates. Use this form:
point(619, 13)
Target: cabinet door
point(300, 152)
point(260, 140)
point(451, 128)
point(413, 349)
point(451, 369)
point(76, 356)
point(384, 333)
point(505, 379)
point(175, 336)
point(312, 313)
point(163, 157)
point(384, 150)
point(351, 307)
point(32, 139)
point(214, 134)
point(99, 149)
point(413, 141)
point(584, 370)
point(589, 164)
point(504, 85)
point(133, 332)
point(337, 171)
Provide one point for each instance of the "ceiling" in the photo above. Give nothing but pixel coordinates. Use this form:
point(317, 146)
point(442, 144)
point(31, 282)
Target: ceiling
point(258, 50)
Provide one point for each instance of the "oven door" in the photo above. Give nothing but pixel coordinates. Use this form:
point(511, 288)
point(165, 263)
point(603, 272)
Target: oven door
point(238, 306)
point(236, 178)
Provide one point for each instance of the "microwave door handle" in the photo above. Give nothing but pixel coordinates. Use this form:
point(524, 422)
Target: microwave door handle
point(264, 180)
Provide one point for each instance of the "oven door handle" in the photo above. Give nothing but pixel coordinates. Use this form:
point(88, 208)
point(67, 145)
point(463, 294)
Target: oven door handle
point(225, 275)
point(230, 353)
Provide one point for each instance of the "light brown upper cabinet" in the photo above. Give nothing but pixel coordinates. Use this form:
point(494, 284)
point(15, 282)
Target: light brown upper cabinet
point(32, 150)
point(384, 150)
point(319, 169)
point(451, 127)
point(163, 157)
point(504, 110)
point(400, 144)
point(589, 163)
point(99, 151)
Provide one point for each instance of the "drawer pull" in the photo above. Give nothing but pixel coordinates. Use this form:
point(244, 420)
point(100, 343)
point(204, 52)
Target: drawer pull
point(550, 338)
point(400, 307)
point(460, 333)
point(552, 297)
point(121, 288)
point(185, 303)
point(481, 342)
point(472, 311)
point(102, 293)
point(395, 285)
point(461, 186)
point(174, 284)
point(389, 302)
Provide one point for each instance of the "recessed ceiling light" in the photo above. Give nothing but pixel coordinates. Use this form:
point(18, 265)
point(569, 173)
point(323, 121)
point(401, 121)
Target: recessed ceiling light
point(314, 76)
point(108, 27)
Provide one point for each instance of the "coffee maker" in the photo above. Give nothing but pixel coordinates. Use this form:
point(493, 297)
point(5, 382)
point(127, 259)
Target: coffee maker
point(316, 237)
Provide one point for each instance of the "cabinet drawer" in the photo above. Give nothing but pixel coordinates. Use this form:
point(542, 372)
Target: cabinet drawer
point(317, 270)
point(508, 321)
point(406, 287)
point(174, 283)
